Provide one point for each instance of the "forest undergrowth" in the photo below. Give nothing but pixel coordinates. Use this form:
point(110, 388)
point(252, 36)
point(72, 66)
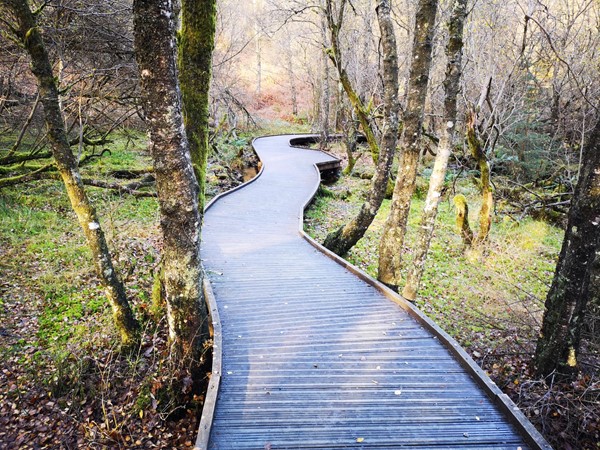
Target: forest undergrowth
point(63, 381)
point(490, 299)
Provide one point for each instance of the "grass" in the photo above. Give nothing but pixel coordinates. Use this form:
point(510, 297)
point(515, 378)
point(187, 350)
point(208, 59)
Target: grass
point(44, 246)
point(503, 283)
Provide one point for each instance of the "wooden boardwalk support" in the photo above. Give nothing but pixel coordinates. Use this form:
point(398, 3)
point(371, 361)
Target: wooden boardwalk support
point(314, 353)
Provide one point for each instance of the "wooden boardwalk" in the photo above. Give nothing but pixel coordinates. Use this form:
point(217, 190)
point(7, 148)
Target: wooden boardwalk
point(314, 356)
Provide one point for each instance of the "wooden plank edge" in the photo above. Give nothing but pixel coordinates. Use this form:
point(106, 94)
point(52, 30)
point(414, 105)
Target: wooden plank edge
point(210, 400)
point(241, 186)
point(301, 137)
point(531, 435)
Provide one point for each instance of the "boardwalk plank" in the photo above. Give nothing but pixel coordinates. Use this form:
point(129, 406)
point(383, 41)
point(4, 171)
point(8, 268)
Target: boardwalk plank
point(315, 357)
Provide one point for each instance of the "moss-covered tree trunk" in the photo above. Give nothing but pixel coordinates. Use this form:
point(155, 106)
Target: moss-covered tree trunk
point(436, 182)
point(176, 184)
point(345, 237)
point(577, 277)
point(462, 220)
point(334, 23)
point(487, 197)
point(196, 44)
point(28, 34)
point(390, 250)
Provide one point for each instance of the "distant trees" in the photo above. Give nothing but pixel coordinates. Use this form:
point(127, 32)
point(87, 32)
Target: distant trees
point(92, 57)
point(26, 31)
point(576, 282)
point(177, 187)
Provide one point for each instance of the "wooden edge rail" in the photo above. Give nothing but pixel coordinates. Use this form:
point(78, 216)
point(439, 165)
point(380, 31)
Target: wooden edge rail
point(210, 400)
point(531, 435)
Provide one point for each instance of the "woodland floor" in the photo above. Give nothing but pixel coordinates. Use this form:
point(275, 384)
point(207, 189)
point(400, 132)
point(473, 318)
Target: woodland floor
point(63, 383)
point(489, 299)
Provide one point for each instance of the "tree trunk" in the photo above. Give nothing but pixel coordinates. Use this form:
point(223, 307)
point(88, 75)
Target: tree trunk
point(257, 50)
point(325, 94)
point(487, 198)
point(28, 33)
point(176, 183)
point(462, 220)
point(292, 80)
point(390, 250)
point(335, 55)
point(345, 237)
point(576, 279)
point(196, 43)
point(350, 139)
point(436, 182)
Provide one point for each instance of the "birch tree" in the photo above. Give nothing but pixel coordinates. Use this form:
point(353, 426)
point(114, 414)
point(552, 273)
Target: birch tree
point(390, 250)
point(444, 149)
point(27, 33)
point(176, 184)
point(341, 240)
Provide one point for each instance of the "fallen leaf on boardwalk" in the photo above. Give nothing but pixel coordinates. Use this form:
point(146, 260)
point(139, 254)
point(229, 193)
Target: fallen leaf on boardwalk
point(360, 439)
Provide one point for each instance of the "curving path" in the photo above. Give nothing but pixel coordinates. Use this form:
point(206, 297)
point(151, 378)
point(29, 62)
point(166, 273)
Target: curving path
point(314, 356)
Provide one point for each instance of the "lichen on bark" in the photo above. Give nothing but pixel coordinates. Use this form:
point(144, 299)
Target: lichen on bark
point(176, 184)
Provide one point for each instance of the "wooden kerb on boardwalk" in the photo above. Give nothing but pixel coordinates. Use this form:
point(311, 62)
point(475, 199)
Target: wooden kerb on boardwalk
point(314, 353)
